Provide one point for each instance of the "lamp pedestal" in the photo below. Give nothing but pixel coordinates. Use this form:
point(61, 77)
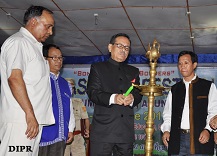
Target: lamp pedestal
point(151, 90)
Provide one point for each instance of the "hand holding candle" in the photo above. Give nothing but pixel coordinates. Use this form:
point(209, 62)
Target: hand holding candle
point(129, 89)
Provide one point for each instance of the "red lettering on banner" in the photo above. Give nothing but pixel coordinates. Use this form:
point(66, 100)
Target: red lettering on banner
point(143, 73)
point(81, 73)
point(138, 126)
point(159, 73)
point(141, 136)
point(165, 73)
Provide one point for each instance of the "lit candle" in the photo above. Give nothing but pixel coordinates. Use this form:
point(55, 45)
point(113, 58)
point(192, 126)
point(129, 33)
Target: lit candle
point(128, 91)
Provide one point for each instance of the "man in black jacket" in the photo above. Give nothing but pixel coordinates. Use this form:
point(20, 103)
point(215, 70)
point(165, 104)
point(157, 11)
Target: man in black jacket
point(190, 105)
point(112, 129)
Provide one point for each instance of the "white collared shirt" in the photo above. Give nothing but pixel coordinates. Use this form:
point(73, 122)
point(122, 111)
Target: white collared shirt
point(22, 51)
point(185, 122)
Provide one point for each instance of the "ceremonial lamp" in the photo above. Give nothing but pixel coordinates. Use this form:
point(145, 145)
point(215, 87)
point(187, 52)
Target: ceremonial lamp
point(151, 90)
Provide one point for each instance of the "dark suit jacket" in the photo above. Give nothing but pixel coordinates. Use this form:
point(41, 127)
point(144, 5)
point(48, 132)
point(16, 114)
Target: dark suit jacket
point(112, 123)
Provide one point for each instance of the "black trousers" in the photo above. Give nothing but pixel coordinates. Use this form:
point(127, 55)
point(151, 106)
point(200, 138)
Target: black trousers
point(107, 149)
point(56, 149)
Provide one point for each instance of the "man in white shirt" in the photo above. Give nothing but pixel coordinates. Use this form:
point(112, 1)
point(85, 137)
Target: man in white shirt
point(26, 93)
point(190, 105)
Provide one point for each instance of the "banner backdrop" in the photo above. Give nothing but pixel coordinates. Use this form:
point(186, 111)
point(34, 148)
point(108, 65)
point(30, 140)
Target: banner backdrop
point(166, 76)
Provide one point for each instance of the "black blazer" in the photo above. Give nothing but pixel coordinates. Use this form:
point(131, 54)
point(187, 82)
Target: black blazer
point(112, 123)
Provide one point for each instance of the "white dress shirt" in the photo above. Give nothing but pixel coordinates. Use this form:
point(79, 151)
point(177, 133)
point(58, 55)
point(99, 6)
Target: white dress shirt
point(185, 124)
point(22, 51)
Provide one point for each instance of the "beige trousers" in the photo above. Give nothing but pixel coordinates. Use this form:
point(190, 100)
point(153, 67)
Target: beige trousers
point(77, 147)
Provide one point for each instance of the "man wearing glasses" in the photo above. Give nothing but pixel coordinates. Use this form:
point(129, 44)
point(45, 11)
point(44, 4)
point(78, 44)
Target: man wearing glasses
point(54, 137)
point(112, 128)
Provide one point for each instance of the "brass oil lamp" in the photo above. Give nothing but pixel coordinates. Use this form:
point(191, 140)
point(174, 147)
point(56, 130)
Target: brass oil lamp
point(151, 90)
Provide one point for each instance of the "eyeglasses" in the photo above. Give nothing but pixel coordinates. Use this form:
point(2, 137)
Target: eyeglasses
point(56, 58)
point(121, 46)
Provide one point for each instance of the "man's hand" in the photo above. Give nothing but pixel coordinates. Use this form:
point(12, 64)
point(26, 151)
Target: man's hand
point(119, 99)
point(19, 91)
point(70, 137)
point(166, 138)
point(215, 137)
point(128, 100)
point(204, 137)
point(32, 126)
point(86, 133)
point(213, 122)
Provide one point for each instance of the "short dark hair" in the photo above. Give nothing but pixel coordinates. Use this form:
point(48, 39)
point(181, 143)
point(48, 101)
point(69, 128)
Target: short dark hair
point(112, 40)
point(47, 47)
point(194, 57)
point(34, 11)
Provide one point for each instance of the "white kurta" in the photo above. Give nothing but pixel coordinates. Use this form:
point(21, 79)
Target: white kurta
point(22, 51)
